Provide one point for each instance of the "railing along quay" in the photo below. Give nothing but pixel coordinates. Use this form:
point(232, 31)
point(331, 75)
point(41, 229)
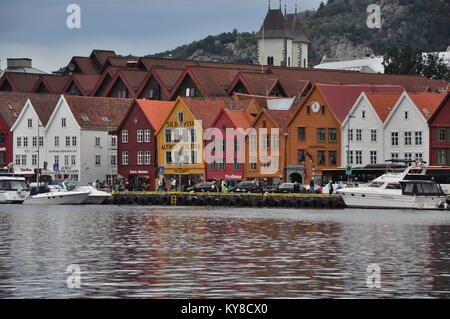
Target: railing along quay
point(227, 200)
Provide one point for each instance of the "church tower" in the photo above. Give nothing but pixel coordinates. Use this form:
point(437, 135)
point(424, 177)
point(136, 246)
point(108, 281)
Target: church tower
point(282, 40)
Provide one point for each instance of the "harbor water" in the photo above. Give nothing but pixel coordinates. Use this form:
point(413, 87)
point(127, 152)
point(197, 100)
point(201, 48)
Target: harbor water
point(203, 252)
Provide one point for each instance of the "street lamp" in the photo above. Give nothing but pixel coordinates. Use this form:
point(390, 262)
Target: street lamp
point(39, 152)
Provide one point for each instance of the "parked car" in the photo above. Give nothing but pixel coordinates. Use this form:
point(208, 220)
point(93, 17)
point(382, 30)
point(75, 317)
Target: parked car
point(203, 187)
point(286, 188)
point(246, 187)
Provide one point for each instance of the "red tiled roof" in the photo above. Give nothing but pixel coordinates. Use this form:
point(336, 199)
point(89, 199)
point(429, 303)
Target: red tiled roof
point(168, 77)
point(86, 65)
point(133, 77)
point(410, 83)
point(103, 55)
point(155, 111)
point(22, 82)
point(103, 113)
point(240, 119)
point(214, 81)
point(383, 103)
point(427, 102)
point(150, 62)
point(44, 105)
point(17, 101)
point(341, 98)
point(54, 83)
point(86, 81)
point(205, 109)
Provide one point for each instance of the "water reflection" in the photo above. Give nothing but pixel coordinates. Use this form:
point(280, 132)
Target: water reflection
point(199, 252)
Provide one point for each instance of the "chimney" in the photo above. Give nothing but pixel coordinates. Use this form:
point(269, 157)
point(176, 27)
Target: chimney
point(132, 64)
point(18, 63)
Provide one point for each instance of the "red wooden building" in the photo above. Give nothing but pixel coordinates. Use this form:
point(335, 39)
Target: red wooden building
point(229, 171)
point(137, 152)
point(439, 125)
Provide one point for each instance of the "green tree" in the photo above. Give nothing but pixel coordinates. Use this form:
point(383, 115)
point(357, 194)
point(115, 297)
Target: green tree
point(434, 67)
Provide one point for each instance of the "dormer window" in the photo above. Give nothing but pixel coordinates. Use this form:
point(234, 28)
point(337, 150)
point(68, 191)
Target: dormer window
point(190, 92)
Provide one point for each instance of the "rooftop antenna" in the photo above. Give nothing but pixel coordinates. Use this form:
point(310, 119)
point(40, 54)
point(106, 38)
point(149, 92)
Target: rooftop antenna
point(269, 4)
point(296, 7)
point(285, 8)
point(280, 5)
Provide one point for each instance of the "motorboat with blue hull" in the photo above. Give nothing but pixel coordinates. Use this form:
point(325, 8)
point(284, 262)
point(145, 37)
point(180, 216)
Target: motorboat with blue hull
point(13, 189)
point(405, 190)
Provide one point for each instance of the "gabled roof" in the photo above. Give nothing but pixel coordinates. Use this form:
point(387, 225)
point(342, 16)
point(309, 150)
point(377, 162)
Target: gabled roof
point(277, 25)
point(341, 98)
point(155, 111)
point(440, 107)
point(383, 103)
point(99, 113)
point(11, 105)
point(131, 78)
point(166, 78)
point(240, 119)
point(20, 82)
point(85, 65)
point(85, 83)
point(427, 103)
point(102, 55)
point(54, 84)
point(205, 109)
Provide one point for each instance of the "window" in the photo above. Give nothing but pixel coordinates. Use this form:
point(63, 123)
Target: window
point(358, 156)
point(265, 141)
point(24, 160)
point(408, 138)
point(113, 160)
point(176, 135)
point(140, 158)
point(30, 123)
point(74, 141)
point(350, 157)
point(180, 117)
point(34, 160)
point(147, 157)
point(441, 135)
point(56, 160)
point(113, 141)
point(363, 114)
point(332, 135)
point(147, 136)
point(124, 158)
point(373, 135)
point(418, 156)
point(190, 92)
point(140, 136)
point(276, 163)
point(2, 138)
point(66, 160)
point(41, 141)
point(359, 135)
point(18, 160)
point(406, 115)
point(253, 142)
point(73, 159)
point(97, 142)
point(193, 135)
point(321, 135)
point(2, 157)
point(350, 135)
point(252, 161)
point(97, 160)
point(125, 136)
point(395, 156)
point(301, 155)
point(394, 138)
point(35, 141)
point(275, 142)
point(194, 155)
point(301, 134)
point(418, 138)
point(168, 157)
point(168, 135)
point(408, 156)
point(236, 165)
point(332, 157)
point(122, 94)
point(63, 122)
point(321, 157)
point(236, 145)
point(213, 166)
point(373, 157)
point(442, 157)
point(56, 141)
point(19, 142)
point(67, 141)
point(25, 141)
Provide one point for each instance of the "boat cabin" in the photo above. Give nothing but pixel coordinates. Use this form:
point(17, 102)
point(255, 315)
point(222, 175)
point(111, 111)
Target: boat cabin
point(421, 188)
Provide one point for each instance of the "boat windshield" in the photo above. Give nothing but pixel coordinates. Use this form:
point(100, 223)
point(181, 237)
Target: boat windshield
point(393, 186)
point(13, 185)
point(376, 184)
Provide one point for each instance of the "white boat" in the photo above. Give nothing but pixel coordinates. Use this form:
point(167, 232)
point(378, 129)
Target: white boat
point(96, 197)
point(13, 189)
point(54, 195)
point(405, 190)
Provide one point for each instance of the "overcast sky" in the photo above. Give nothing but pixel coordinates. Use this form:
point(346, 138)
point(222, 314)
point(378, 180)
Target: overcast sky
point(37, 28)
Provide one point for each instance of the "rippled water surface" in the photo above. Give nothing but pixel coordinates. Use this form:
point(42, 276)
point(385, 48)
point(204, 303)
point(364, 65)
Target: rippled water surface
point(185, 252)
